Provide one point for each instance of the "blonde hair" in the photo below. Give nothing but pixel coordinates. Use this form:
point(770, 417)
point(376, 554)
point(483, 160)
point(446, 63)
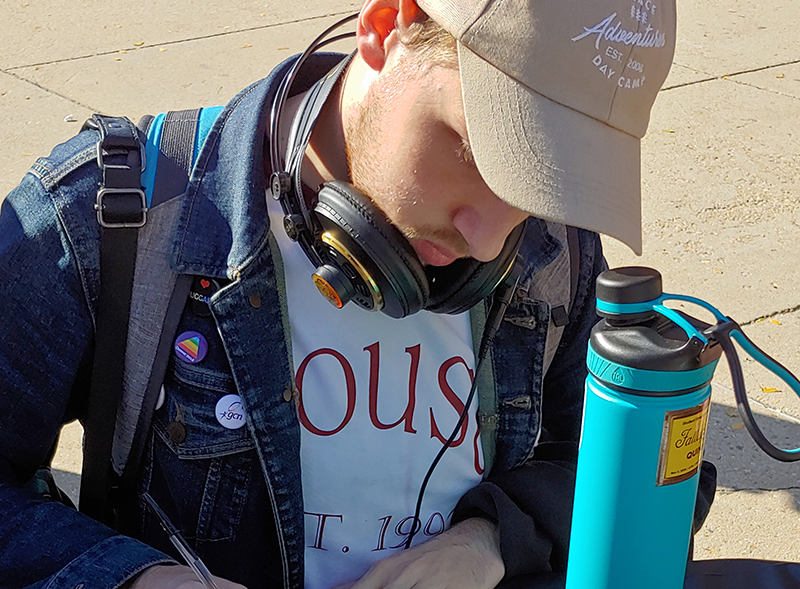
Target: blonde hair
point(431, 43)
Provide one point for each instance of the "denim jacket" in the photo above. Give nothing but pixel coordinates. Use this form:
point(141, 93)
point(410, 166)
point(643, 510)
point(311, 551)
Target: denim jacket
point(236, 495)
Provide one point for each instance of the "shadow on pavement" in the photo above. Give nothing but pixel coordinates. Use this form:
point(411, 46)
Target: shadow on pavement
point(741, 464)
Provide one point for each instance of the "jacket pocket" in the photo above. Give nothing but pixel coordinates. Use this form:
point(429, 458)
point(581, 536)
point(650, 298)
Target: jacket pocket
point(198, 470)
point(187, 422)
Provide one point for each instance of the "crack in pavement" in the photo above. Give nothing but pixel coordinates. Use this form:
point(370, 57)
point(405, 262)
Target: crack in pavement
point(731, 75)
point(49, 91)
point(177, 41)
point(788, 311)
point(731, 491)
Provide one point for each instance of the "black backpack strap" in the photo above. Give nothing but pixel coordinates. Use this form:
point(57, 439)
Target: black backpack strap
point(103, 490)
point(121, 209)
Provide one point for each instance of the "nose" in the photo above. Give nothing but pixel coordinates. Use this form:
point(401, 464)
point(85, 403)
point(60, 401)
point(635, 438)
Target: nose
point(486, 228)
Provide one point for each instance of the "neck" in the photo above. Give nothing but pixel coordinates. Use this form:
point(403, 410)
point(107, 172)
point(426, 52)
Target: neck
point(326, 155)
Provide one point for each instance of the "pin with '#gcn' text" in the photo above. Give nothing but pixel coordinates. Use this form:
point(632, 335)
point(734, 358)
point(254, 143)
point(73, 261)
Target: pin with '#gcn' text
point(229, 412)
point(191, 347)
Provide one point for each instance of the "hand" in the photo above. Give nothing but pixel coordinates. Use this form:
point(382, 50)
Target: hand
point(173, 577)
point(467, 556)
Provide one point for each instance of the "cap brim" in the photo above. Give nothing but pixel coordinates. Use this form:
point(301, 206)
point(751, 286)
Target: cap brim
point(550, 160)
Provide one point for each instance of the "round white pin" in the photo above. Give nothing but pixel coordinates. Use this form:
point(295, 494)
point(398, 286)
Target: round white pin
point(229, 412)
point(161, 396)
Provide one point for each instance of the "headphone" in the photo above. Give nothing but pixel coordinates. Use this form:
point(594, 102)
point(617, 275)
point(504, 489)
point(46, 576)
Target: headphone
point(359, 255)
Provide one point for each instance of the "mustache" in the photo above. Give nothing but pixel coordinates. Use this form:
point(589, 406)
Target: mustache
point(449, 237)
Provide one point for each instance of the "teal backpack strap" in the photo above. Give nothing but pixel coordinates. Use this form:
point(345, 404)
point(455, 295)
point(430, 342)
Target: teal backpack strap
point(174, 141)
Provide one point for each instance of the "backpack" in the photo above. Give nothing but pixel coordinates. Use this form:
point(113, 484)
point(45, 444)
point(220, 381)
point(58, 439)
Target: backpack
point(137, 203)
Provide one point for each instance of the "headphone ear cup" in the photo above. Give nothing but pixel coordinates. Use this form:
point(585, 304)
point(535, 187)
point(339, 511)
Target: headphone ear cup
point(353, 220)
point(459, 286)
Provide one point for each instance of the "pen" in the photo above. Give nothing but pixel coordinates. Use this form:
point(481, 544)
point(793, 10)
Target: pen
point(181, 544)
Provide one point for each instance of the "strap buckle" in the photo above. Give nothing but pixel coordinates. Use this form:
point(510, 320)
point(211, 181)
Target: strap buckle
point(102, 152)
point(125, 208)
point(121, 203)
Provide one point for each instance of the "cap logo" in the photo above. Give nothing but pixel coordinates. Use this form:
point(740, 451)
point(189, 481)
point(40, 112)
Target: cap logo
point(613, 32)
point(611, 60)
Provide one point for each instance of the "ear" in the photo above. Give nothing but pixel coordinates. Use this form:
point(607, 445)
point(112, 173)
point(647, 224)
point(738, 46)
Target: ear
point(376, 22)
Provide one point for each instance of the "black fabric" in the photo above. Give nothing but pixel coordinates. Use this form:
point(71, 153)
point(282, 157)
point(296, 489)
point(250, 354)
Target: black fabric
point(532, 505)
point(117, 264)
point(705, 494)
point(701, 574)
point(742, 574)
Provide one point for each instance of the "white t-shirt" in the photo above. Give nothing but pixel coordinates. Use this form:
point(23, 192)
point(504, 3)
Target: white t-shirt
point(378, 398)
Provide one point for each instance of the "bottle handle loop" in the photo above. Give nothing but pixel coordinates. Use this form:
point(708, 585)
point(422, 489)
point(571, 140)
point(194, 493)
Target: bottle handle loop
point(726, 331)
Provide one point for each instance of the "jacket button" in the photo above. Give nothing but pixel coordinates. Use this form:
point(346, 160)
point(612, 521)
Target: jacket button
point(255, 301)
point(287, 395)
point(177, 432)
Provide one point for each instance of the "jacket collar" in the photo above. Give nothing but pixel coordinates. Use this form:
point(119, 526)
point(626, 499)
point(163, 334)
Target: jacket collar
point(224, 221)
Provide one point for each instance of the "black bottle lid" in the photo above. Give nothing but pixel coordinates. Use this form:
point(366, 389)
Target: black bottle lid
point(645, 339)
point(630, 284)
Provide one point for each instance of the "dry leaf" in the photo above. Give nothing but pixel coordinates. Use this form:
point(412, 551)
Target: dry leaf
point(138, 43)
point(246, 46)
point(282, 48)
point(770, 390)
point(780, 76)
point(668, 131)
point(775, 321)
point(738, 425)
point(162, 48)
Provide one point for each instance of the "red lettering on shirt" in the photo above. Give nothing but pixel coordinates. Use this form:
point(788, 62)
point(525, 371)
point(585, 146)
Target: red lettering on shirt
point(453, 399)
point(374, 369)
point(350, 382)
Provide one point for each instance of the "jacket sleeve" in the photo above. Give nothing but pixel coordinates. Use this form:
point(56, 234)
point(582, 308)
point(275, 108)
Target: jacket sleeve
point(532, 504)
point(45, 334)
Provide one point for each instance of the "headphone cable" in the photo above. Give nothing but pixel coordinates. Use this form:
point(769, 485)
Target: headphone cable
point(500, 303)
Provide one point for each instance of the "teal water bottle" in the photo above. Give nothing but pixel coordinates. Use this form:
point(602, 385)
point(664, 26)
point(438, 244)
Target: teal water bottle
point(645, 414)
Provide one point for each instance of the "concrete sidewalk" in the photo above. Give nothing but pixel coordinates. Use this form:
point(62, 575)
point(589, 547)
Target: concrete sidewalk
point(721, 180)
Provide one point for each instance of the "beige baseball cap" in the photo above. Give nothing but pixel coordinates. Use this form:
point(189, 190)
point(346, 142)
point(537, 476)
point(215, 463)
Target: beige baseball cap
point(557, 95)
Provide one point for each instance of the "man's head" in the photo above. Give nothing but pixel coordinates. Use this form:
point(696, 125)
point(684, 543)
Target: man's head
point(542, 102)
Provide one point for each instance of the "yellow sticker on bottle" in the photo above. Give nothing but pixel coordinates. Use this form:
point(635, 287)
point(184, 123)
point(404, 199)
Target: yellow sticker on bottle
point(682, 442)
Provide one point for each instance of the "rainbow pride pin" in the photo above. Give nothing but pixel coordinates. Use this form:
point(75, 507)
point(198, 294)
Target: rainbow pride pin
point(191, 347)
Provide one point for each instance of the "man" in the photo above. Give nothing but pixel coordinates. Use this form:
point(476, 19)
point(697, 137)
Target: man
point(533, 115)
